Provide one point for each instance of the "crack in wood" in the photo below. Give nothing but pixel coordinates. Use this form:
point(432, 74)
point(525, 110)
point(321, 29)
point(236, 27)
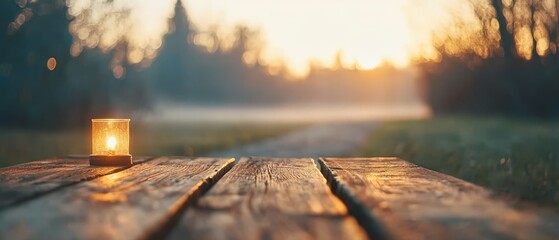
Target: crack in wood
point(161, 232)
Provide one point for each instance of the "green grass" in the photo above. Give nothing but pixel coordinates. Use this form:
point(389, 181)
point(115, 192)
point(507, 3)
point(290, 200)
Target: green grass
point(188, 139)
point(516, 157)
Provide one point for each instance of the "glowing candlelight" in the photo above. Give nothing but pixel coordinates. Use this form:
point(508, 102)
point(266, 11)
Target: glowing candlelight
point(110, 142)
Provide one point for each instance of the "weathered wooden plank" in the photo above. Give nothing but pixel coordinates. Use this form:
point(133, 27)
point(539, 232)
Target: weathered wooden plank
point(269, 199)
point(410, 202)
point(134, 203)
point(26, 181)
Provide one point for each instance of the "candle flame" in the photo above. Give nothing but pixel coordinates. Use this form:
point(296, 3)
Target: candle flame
point(111, 143)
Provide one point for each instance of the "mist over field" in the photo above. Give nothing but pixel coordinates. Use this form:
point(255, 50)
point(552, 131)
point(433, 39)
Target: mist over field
point(313, 113)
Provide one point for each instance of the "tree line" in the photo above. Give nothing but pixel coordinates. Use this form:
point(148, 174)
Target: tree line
point(507, 65)
point(58, 70)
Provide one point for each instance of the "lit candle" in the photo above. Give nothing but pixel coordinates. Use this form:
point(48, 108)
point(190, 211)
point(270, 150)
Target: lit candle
point(110, 142)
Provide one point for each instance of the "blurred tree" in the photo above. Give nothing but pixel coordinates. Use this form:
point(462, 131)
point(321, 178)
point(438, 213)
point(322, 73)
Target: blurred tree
point(175, 65)
point(517, 77)
point(506, 36)
point(186, 72)
point(62, 64)
point(43, 86)
point(35, 58)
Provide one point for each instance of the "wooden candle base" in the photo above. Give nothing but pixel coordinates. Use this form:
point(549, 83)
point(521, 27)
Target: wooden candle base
point(119, 160)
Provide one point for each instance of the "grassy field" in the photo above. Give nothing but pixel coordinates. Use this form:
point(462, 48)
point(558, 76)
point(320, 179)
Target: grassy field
point(190, 139)
point(517, 157)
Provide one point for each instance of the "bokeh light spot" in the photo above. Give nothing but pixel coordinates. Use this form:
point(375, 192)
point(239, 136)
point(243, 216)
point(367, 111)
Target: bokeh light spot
point(118, 71)
point(51, 64)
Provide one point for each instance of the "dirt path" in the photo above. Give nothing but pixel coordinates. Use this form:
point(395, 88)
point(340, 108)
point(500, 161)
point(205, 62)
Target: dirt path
point(321, 140)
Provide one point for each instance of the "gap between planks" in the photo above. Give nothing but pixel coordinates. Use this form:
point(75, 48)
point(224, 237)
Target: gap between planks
point(400, 200)
point(364, 218)
point(162, 229)
point(269, 198)
point(165, 228)
point(98, 208)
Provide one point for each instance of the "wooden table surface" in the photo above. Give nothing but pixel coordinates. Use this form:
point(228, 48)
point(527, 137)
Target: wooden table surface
point(255, 198)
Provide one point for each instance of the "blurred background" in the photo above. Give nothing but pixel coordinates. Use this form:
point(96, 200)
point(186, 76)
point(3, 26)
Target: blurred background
point(465, 87)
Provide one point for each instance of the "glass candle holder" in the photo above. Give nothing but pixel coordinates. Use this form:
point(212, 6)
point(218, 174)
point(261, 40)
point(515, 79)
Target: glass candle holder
point(110, 140)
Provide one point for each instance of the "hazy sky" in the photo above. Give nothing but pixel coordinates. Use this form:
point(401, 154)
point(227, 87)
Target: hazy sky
point(297, 32)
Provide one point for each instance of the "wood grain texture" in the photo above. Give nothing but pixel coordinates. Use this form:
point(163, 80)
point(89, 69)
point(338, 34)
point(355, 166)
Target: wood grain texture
point(396, 199)
point(134, 203)
point(26, 181)
point(269, 199)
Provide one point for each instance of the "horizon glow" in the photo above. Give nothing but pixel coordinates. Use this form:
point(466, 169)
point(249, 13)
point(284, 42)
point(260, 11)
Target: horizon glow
point(295, 34)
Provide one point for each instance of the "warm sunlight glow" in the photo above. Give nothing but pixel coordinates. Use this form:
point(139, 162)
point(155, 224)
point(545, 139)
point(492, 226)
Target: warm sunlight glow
point(367, 62)
point(291, 34)
point(365, 32)
point(141, 23)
